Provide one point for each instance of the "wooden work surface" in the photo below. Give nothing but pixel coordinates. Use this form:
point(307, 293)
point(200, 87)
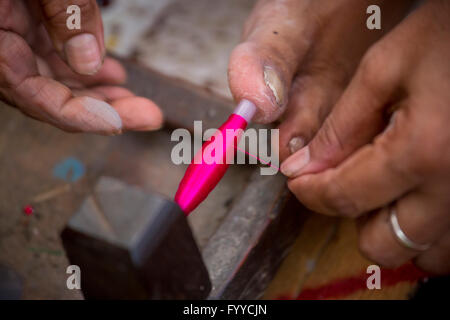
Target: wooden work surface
point(324, 253)
point(29, 153)
point(325, 263)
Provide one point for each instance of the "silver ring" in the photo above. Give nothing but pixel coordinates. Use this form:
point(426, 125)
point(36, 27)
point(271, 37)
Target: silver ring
point(401, 236)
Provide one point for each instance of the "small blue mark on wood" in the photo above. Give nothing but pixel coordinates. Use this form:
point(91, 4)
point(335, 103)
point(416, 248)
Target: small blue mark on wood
point(70, 169)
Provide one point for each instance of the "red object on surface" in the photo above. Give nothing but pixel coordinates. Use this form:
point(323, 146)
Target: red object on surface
point(28, 210)
point(344, 287)
point(207, 167)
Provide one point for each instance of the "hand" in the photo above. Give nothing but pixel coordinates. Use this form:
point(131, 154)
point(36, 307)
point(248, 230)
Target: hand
point(299, 55)
point(60, 76)
point(359, 162)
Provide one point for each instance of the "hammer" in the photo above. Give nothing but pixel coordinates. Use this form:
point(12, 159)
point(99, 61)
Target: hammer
point(133, 245)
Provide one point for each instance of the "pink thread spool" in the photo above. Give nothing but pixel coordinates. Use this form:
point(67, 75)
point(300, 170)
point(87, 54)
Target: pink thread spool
point(207, 168)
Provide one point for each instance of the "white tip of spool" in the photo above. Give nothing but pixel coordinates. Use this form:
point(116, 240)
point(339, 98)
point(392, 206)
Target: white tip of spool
point(246, 109)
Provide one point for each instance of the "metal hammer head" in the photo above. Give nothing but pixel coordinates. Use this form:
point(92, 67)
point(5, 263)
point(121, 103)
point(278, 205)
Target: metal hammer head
point(133, 245)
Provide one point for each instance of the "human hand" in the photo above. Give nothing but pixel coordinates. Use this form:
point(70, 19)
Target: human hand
point(60, 76)
point(360, 163)
point(299, 56)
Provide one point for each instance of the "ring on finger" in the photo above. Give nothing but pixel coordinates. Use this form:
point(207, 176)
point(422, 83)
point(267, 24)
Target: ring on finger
point(401, 236)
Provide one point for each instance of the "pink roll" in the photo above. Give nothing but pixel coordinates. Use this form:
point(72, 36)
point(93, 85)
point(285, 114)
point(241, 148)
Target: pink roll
point(208, 167)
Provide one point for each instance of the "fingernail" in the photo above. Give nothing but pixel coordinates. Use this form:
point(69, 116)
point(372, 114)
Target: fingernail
point(296, 144)
point(83, 54)
point(274, 83)
point(101, 116)
point(293, 165)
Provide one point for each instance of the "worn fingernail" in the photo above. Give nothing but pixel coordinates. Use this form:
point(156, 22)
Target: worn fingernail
point(274, 83)
point(296, 144)
point(101, 116)
point(293, 165)
point(83, 54)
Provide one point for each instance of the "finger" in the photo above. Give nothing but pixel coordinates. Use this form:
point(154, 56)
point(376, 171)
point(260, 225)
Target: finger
point(113, 93)
point(138, 114)
point(82, 48)
point(49, 101)
point(46, 99)
point(359, 115)
point(372, 177)
point(308, 106)
point(437, 259)
point(14, 17)
point(262, 66)
point(423, 218)
point(111, 72)
point(88, 93)
point(327, 70)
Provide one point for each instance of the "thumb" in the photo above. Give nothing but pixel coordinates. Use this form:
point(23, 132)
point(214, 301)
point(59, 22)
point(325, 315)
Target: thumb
point(261, 68)
point(83, 49)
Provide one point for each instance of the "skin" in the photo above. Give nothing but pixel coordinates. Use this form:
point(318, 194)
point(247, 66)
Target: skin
point(386, 142)
point(312, 49)
point(297, 57)
point(66, 83)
